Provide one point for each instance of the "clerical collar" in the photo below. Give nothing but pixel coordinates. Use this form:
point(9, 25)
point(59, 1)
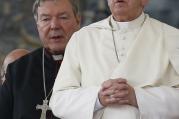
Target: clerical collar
point(126, 26)
point(57, 57)
point(54, 57)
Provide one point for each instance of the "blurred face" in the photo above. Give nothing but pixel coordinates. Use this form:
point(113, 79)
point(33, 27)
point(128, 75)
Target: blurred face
point(56, 23)
point(126, 10)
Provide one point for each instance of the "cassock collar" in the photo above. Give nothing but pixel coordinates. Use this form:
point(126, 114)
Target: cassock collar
point(127, 26)
point(54, 57)
point(57, 57)
point(110, 24)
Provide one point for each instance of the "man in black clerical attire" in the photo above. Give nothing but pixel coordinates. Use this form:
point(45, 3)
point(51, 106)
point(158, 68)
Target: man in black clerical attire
point(29, 80)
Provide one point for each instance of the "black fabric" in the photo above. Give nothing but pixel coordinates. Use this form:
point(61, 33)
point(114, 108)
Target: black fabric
point(23, 88)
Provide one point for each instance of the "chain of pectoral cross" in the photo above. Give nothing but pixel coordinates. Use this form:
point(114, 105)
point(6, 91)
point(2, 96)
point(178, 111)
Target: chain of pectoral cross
point(44, 107)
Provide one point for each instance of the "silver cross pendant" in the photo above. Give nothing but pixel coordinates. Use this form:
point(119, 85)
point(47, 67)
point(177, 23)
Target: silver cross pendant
point(44, 109)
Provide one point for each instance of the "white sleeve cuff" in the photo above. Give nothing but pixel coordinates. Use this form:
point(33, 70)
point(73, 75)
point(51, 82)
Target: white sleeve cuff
point(98, 105)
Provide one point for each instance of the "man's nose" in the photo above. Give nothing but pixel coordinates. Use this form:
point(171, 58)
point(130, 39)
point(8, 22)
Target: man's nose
point(55, 24)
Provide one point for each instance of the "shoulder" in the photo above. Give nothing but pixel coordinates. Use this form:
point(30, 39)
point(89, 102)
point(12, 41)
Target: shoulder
point(103, 24)
point(172, 45)
point(22, 69)
point(171, 41)
point(91, 31)
point(165, 28)
point(26, 60)
point(169, 34)
point(171, 37)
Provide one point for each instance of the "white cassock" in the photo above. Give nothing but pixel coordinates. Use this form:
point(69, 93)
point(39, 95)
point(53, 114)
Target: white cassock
point(148, 51)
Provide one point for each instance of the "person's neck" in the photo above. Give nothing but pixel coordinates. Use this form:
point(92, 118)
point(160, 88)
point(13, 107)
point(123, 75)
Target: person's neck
point(51, 52)
point(126, 17)
point(128, 26)
point(55, 55)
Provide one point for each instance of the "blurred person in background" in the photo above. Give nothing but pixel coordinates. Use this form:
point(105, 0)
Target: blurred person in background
point(11, 57)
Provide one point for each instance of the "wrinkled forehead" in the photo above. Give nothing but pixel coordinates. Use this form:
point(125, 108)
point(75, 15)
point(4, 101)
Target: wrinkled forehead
point(41, 2)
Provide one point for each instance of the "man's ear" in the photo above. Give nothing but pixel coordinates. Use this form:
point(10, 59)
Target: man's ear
point(37, 24)
point(78, 20)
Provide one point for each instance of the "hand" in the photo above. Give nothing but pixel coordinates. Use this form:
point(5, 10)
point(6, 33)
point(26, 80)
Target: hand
point(111, 87)
point(117, 91)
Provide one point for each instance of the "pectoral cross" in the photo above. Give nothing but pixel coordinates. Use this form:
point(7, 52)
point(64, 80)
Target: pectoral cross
point(44, 109)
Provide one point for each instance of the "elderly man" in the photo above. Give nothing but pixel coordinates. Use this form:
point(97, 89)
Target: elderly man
point(123, 67)
point(29, 80)
point(11, 57)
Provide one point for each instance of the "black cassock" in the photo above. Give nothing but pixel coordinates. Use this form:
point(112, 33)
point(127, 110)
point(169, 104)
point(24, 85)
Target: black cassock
point(23, 89)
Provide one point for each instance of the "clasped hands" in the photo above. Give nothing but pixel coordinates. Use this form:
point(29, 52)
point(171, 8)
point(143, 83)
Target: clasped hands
point(117, 91)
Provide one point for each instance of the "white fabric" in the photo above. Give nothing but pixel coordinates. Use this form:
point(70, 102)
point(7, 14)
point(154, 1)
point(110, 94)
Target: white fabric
point(140, 57)
point(158, 105)
point(90, 60)
point(125, 35)
point(124, 38)
point(98, 105)
point(158, 102)
point(74, 99)
point(57, 57)
point(128, 26)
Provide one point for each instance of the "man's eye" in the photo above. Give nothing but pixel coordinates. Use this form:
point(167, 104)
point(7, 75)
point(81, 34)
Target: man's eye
point(63, 17)
point(45, 19)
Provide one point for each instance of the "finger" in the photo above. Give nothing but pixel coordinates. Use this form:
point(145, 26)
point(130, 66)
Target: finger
point(121, 94)
point(119, 80)
point(123, 102)
point(117, 87)
point(117, 83)
point(107, 100)
point(107, 92)
point(111, 100)
point(107, 84)
point(120, 101)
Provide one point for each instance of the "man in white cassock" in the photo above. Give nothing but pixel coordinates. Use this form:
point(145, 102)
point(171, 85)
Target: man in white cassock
point(123, 67)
